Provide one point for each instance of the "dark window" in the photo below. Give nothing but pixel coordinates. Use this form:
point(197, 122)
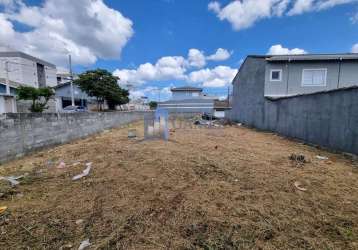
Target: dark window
point(2, 88)
point(276, 75)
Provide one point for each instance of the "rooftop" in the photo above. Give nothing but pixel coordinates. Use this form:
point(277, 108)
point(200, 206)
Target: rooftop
point(7, 52)
point(187, 88)
point(313, 57)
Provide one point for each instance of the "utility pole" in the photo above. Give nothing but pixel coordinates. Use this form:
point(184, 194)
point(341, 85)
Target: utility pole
point(71, 79)
point(228, 96)
point(7, 80)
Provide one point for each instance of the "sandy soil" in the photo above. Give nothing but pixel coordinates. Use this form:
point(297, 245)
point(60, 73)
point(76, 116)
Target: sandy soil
point(230, 188)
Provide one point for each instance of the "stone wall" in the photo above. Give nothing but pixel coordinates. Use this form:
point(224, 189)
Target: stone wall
point(328, 119)
point(22, 133)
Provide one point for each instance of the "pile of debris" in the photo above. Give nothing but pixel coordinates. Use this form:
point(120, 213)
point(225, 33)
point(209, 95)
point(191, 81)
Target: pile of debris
point(207, 120)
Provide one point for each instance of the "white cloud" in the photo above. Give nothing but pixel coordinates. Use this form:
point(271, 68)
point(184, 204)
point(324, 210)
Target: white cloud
point(219, 76)
point(355, 48)
point(196, 58)
point(214, 6)
point(9, 4)
point(242, 14)
point(57, 28)
point(321, 5)
point(169, 67)
point(220, 55)
point(166, 68)
point(152, 92)
point(279, 50)
point(301, 6)
point(354, 18)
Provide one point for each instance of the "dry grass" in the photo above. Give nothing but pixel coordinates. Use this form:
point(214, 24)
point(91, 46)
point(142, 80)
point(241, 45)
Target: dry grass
point(230, 188)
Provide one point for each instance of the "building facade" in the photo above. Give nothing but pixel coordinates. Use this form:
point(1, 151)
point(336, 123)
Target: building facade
point(63, 97)
point(20, 69)
point(303, 74)
point(324, 115)
point(188, 100)
point(183, 93)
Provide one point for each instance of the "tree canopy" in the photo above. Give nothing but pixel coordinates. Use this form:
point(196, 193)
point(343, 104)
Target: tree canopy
point(38, 96)
point(104, 86)
point(153, 105)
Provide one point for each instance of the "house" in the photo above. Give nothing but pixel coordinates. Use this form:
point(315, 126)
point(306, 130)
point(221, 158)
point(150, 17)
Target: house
point(310, 97)
point(64, 76)
point(290, 75)
point(20, 69)
point(188, 99)
point(136, 104)
point(64, 97)
point(186, 92)
point(221, 107)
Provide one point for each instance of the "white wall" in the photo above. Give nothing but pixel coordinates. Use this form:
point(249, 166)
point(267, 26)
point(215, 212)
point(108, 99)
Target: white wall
point(24, 71)
point(29, 73)
point(15, 69)
point(7, 104)
point(51, 79)
point(2, 104)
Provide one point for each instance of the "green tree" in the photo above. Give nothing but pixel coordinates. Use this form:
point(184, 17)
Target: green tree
point(102, 85)
point(38, 96)
point(153, 105)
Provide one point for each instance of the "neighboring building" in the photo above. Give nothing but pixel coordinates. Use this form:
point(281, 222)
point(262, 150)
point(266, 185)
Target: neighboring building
point(303, 74)
point(310, 97)
point(64, 76)
point(221, 107)
point(187, 92)
point(138, 104)
point(189, 100)
point(20, 69)
point(64, 98)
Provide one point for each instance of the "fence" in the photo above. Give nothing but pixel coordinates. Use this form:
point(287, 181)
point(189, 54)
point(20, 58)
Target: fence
point(23, 133)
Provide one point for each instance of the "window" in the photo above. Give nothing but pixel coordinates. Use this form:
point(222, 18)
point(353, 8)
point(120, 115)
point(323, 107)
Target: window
point(314, 77)
point(276, 75)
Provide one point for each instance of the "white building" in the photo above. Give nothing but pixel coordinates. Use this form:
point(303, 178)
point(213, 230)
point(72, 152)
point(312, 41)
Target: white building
point(20, 69)
point(138, 104)
point(189, 99)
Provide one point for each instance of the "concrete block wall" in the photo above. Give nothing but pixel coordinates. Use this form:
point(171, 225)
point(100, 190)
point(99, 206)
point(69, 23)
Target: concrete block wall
point(22, 133)
point(328, 119)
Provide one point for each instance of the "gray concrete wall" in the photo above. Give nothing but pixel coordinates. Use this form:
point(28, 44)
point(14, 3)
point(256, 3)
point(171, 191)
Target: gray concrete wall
point(328, 119)
point(23, 133)
point(23, 106)
point(339, 74)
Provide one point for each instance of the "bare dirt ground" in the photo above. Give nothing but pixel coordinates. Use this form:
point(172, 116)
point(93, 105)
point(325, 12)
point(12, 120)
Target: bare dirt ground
point(230, 188)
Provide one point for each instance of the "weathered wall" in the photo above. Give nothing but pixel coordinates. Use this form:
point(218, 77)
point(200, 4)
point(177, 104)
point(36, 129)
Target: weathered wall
point(328, 119)
point(23, 133)
point(23, 106)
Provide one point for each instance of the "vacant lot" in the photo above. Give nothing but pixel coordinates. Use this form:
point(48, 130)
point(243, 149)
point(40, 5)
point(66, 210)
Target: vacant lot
point(230, 188)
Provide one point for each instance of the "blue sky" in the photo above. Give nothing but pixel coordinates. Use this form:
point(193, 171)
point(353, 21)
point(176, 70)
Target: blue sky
point(133, 44)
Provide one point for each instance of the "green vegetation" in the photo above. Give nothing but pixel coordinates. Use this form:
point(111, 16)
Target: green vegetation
point(153, 105)
point(104, 86)
point(38, 96)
